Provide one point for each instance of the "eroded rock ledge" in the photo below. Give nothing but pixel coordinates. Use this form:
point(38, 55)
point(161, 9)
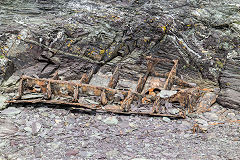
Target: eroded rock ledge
point(74, 37)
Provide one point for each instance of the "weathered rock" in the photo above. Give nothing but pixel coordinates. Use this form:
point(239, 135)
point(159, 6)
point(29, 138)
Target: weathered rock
point(166, 93)
point(2, 102)
point(103, 34)
point(12, 81)
point(7, 68)
point(111, 121)
point(229, 81)
point(166, 119)
point(10, 111)
point(7, 129)
point(231, 116)
point(211, 116)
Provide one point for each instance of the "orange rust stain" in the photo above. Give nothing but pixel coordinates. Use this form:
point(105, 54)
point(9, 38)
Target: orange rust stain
point(145, 100)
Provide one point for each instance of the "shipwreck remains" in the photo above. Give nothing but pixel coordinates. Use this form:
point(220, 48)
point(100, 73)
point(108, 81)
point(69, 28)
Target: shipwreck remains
point(173, 99)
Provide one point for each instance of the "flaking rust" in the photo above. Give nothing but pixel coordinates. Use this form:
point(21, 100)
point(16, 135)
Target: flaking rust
point(60, 92)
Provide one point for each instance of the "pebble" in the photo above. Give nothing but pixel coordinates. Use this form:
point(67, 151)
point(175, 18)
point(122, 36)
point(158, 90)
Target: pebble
point(231, 116)
point(132, 125)
point(211, 116)
point(166, 119)
point(99, 117)
point(28, 129)
point(11, 111)
point(173, 111)
point(166, 93)
point(7, 129)
point(36, 126)
point(111, 121)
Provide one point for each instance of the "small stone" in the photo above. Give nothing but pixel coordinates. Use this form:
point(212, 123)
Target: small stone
point(99, 117)
point(231, 116)
point(7, 129)
point(173, 111)
point(32, 96)
point(2, 144)
point(166, 93)
point(57, 120)
point(211, 116)
point(166, 119)
point(201, 122)
point(192, 115)
point(36, 126)
point(132, 125)
point(11, 81)
point(185, 125)
point(3, 105)
point(179, 122)
point(118, 97)
point(11, 111)
point(91, 101)
point(72, 152)
point(186, 135)
point(28, 129)
point(111, 121)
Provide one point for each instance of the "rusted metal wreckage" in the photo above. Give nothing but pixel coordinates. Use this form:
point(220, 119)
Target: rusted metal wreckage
point(151, 102)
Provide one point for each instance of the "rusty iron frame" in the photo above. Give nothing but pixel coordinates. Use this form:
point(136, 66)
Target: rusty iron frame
point(51, 88)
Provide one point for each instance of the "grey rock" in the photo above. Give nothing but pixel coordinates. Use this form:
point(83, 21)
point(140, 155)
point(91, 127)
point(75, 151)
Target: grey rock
point(166, 93)
point(100, 80)
point(229, 95)
point(211, 116)
point(166, 119)
point(28, 129)
point(173, 111)
point(13, 80)
point(3, 105)
point(118, 97)
point(111, 121)
point(133, 125)
point(7, 69)
point(36, 126)
point(7, 129)
point(32, 96)
point(11, 111)
point(140, 158)
point(90, 101)
point(231, 116)
point(201, 122)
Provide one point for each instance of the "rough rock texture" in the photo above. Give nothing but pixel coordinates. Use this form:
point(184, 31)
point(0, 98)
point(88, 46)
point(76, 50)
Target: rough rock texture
point(74, 37)
point(54, 133)
point(229, 81)
point(7, 69)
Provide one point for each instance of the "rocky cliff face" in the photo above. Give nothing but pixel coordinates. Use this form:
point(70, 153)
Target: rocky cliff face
point(73, 37)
